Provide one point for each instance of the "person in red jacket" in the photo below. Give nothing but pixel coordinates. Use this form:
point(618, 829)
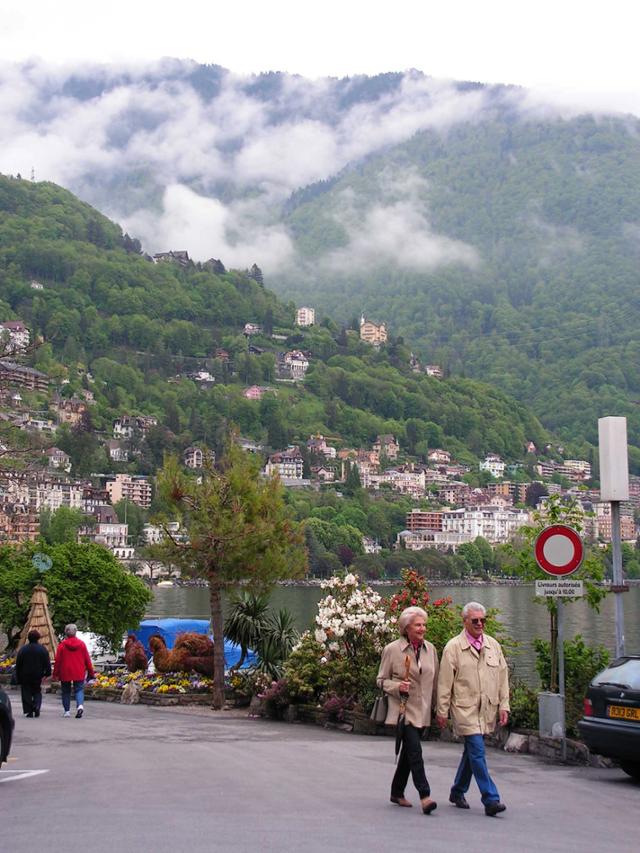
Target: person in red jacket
point(72, 665)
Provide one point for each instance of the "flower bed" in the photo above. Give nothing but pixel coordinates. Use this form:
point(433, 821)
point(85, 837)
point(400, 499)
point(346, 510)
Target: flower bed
point(7, 665)
point(170, 688)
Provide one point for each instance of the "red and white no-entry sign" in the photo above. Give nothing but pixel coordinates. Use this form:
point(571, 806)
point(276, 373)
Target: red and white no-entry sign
point(558, 550)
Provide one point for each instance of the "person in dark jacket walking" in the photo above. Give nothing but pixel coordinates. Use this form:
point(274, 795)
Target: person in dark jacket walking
point(32, 665)
point(71, 667)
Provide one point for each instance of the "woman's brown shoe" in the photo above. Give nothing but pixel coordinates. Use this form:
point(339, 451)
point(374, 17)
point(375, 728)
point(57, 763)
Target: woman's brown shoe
point(428, 805)
point(401, 801)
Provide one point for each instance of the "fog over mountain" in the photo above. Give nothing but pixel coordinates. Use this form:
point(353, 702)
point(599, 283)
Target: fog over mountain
point(196, 157)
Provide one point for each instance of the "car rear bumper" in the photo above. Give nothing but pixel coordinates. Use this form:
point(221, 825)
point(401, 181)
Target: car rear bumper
point(612, 738)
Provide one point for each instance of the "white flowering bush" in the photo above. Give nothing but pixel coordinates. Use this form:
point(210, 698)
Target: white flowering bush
point(337, 664)
point(351, 619)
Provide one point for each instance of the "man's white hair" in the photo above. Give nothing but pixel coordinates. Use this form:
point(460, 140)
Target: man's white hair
point(472, 606)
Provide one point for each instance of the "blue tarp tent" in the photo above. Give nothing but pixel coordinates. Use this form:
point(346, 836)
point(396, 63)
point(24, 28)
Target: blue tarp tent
point(169, 629)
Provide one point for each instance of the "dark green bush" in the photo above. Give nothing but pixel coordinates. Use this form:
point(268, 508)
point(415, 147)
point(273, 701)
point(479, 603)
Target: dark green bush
point(581, 663)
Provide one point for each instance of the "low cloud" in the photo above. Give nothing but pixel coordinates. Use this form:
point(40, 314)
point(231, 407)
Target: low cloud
point(214, 167)
point(398, 234)
point(207, 228)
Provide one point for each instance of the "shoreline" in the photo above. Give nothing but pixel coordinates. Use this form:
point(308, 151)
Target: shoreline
point(432, 583)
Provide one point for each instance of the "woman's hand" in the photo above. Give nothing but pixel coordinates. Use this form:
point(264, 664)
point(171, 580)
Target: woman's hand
point(404, 687)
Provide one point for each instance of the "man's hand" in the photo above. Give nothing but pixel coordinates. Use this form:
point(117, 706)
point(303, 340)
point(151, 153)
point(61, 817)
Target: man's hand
point(441, 721)
point(504, 718)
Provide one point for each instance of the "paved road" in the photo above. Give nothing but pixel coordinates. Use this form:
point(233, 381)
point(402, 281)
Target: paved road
point(149, 780)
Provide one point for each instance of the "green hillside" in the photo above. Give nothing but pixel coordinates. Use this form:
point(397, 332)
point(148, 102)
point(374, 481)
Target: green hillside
point(550, 209)
point(129, 330)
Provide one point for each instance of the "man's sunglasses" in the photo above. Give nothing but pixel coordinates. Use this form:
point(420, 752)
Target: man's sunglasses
point(479, 621)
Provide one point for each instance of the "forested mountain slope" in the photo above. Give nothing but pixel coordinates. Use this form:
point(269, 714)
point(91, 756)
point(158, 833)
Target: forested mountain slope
point(132, 331)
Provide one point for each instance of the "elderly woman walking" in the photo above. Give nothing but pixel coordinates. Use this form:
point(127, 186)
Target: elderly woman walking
point(408, 672)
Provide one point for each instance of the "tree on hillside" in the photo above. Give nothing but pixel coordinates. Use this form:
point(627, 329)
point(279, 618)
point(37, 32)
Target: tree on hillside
point(238, 530)
point(256, 274)
point(85, 585)
point(62, 525)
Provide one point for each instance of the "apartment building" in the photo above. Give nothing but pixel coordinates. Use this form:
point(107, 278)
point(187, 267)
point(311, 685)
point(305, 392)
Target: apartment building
point(494, 523)
point(125, 487)
point(18, 524)
point(422, 519)
point(517, 492)
point(305, 316)
point(26, 377)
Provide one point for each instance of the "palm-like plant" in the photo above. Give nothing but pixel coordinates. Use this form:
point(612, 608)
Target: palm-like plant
point(246, 621)
point(277, 640)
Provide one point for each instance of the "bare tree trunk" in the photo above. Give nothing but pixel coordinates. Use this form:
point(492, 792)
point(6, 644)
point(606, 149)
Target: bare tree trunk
point(553, 651)
point(217, 625)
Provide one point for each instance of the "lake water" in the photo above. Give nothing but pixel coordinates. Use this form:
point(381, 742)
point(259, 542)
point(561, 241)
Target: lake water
point(522, 617)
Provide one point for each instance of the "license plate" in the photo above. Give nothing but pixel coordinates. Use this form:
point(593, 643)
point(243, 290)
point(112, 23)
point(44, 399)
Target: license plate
point(621, 713)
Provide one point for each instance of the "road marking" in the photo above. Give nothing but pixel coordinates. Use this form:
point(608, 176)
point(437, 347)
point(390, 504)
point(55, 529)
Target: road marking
point(18, 774)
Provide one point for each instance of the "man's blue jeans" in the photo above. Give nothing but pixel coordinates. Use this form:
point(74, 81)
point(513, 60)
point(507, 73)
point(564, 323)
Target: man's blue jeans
point(78, 689)
point(474, 762)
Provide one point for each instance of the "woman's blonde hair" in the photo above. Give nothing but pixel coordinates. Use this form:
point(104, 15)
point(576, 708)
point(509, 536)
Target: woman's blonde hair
point(407, 616)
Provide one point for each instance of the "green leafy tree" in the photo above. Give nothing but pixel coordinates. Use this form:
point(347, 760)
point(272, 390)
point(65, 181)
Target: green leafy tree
point(62, 525)
point(85, 585)
point(238, 529)
point(134, 516)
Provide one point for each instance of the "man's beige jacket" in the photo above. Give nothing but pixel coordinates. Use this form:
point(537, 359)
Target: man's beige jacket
point(422, 691)
point(472, 685)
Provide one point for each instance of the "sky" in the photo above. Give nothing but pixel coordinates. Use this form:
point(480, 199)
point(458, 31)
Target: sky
point(568, 47)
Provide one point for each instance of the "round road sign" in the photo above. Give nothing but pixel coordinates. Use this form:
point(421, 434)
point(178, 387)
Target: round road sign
point(558, 550)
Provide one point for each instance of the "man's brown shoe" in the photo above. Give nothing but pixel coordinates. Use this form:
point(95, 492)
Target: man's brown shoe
point(428, 805)
point(401, 801)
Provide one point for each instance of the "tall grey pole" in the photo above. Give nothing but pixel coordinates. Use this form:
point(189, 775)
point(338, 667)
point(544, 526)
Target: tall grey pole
point(618, 583)
point(561, 675)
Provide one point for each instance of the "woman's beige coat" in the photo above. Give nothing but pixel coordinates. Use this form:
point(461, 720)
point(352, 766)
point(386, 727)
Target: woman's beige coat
point(422, 691)
point(473, 685)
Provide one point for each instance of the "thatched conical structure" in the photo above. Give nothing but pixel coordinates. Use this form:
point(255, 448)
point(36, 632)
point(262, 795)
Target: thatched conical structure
point(40, 619)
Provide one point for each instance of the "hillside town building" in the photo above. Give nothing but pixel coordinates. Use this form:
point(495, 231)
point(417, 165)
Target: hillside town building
point(305, 316)
point(372, 333)
point(493, 464)
point(288, 464)
point(25, 377)
point(127, 426)
point(386, 445)
point(125, 487)
point(14, 336)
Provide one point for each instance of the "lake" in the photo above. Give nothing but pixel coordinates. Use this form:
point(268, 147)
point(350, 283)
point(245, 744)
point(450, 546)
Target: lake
point(522, 617)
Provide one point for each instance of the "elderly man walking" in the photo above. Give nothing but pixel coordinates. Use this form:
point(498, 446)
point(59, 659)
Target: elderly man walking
point(473, 685)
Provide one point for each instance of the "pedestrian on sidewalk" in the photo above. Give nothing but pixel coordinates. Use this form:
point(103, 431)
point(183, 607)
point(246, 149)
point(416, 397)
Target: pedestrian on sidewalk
point(72, 665)
point(32, 665)
point(473, 685)
point(408, 672)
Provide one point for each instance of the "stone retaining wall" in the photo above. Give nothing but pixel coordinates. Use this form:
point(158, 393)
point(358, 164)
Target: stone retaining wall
point(524, 742)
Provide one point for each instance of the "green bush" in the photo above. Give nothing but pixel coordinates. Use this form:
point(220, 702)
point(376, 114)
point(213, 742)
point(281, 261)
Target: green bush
point(305, 671)
point(581, 663)
point(524, 705)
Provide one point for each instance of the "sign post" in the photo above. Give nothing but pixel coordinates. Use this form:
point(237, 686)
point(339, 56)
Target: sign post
point(559, 551)
point(614, 487)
